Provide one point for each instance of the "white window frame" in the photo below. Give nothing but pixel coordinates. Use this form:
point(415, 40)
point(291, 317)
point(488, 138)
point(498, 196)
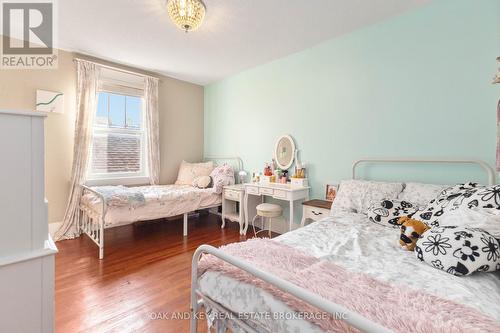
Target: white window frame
point(121, 178)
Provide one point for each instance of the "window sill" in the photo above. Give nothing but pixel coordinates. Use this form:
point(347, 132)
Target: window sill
point(127, 181)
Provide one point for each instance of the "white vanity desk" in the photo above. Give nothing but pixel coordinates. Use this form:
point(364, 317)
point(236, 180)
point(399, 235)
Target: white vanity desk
point(255, 192)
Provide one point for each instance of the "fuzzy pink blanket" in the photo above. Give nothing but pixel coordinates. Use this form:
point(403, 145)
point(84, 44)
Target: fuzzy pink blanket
point(400, 309)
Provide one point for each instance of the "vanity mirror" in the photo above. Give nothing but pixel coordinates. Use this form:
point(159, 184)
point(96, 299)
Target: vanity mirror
point(284, 152)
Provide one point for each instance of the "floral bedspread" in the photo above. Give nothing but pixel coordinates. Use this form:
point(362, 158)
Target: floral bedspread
point(119, 196)
point(138, 196)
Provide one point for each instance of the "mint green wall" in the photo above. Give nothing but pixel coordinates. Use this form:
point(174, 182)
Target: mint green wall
point(417, 85)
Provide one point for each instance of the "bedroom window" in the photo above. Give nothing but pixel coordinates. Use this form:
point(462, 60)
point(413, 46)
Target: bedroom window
point(118, 147)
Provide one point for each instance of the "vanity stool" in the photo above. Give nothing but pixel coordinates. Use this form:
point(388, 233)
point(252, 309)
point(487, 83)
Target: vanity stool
point(266, 210)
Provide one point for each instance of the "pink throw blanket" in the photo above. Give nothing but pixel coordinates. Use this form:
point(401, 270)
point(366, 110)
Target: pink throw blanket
point(400, 309)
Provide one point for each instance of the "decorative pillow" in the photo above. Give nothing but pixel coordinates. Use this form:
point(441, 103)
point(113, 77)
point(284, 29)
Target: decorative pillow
point(459, 250)
point(202, 182)
point(485, 198)
point(420, 194)
point(486, 219)
point(411, 231)
point(222, 175)
point(387, 212)
point(188, 172)
point(357, 195)
point(448, 200)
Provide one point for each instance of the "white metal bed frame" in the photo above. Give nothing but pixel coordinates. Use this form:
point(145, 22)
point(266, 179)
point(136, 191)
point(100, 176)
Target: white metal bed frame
point(485, 166)
point(92, 223)
point(198, 299)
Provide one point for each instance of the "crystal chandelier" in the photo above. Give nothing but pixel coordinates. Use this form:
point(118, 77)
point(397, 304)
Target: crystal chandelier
point(186, 14)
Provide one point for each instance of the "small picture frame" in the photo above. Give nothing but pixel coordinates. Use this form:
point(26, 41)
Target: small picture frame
point(331, 192)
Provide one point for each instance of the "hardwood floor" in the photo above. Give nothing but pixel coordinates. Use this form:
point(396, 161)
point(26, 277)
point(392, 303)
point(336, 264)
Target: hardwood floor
point(146, 269)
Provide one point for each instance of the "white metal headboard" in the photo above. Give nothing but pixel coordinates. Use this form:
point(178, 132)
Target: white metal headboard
point(235, 161)
point(485, 166)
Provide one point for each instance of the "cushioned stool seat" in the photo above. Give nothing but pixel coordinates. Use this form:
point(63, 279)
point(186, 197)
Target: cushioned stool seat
point(269, 210)
point(266, 210)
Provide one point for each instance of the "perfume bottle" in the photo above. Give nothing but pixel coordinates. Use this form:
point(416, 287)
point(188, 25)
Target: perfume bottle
point(284, 177)
point(267, 170)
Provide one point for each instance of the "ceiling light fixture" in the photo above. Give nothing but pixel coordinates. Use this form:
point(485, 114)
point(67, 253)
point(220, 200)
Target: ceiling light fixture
point(186, 14)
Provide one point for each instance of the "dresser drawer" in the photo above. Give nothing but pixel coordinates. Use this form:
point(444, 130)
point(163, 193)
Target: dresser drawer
point(253, 190)
point(232, 195)
point(280, 194)
point(266, 191)
point(315, 213)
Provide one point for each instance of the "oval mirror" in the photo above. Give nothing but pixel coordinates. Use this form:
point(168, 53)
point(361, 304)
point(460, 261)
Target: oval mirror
point(284, 152)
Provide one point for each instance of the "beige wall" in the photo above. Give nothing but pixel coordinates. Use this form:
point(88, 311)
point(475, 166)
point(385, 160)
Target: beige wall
point(181, 123)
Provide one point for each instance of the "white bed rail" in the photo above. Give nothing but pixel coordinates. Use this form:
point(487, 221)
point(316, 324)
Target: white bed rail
point(485, 166)
point(352, 318)
point(92, 224)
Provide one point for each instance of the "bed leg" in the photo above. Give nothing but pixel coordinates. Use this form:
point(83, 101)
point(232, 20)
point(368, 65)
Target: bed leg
point(101, 238)
point(194, 319)
point(185, 227)
point(194, 287)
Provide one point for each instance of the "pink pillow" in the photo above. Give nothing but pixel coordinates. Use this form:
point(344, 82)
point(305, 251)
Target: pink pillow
point(222, 175)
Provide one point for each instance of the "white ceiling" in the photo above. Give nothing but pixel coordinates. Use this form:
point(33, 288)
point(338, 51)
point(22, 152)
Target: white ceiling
point(236, 34)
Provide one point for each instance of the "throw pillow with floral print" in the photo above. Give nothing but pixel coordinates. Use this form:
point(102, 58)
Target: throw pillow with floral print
point(485, 198)
point(222, 175)
point(450, 199)
point(387, 212)
point(459, 250)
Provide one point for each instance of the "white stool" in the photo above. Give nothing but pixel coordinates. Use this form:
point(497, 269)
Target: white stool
point(266, 210)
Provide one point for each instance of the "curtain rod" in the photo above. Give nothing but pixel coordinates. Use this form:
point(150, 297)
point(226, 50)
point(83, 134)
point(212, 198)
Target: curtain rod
point(116, 68)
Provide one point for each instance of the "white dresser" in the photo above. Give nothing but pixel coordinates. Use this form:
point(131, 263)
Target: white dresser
point(26, 249)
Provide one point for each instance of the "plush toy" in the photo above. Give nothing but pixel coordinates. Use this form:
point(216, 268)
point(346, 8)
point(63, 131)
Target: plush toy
point(411, 231)
point(202, 182)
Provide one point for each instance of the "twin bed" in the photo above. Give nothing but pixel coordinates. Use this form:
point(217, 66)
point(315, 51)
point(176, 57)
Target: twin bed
point(112, 206)
point(344, 267)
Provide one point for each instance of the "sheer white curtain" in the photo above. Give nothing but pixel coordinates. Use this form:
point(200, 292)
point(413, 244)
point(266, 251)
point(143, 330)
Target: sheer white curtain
point(153, 130)
point(87, 83)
